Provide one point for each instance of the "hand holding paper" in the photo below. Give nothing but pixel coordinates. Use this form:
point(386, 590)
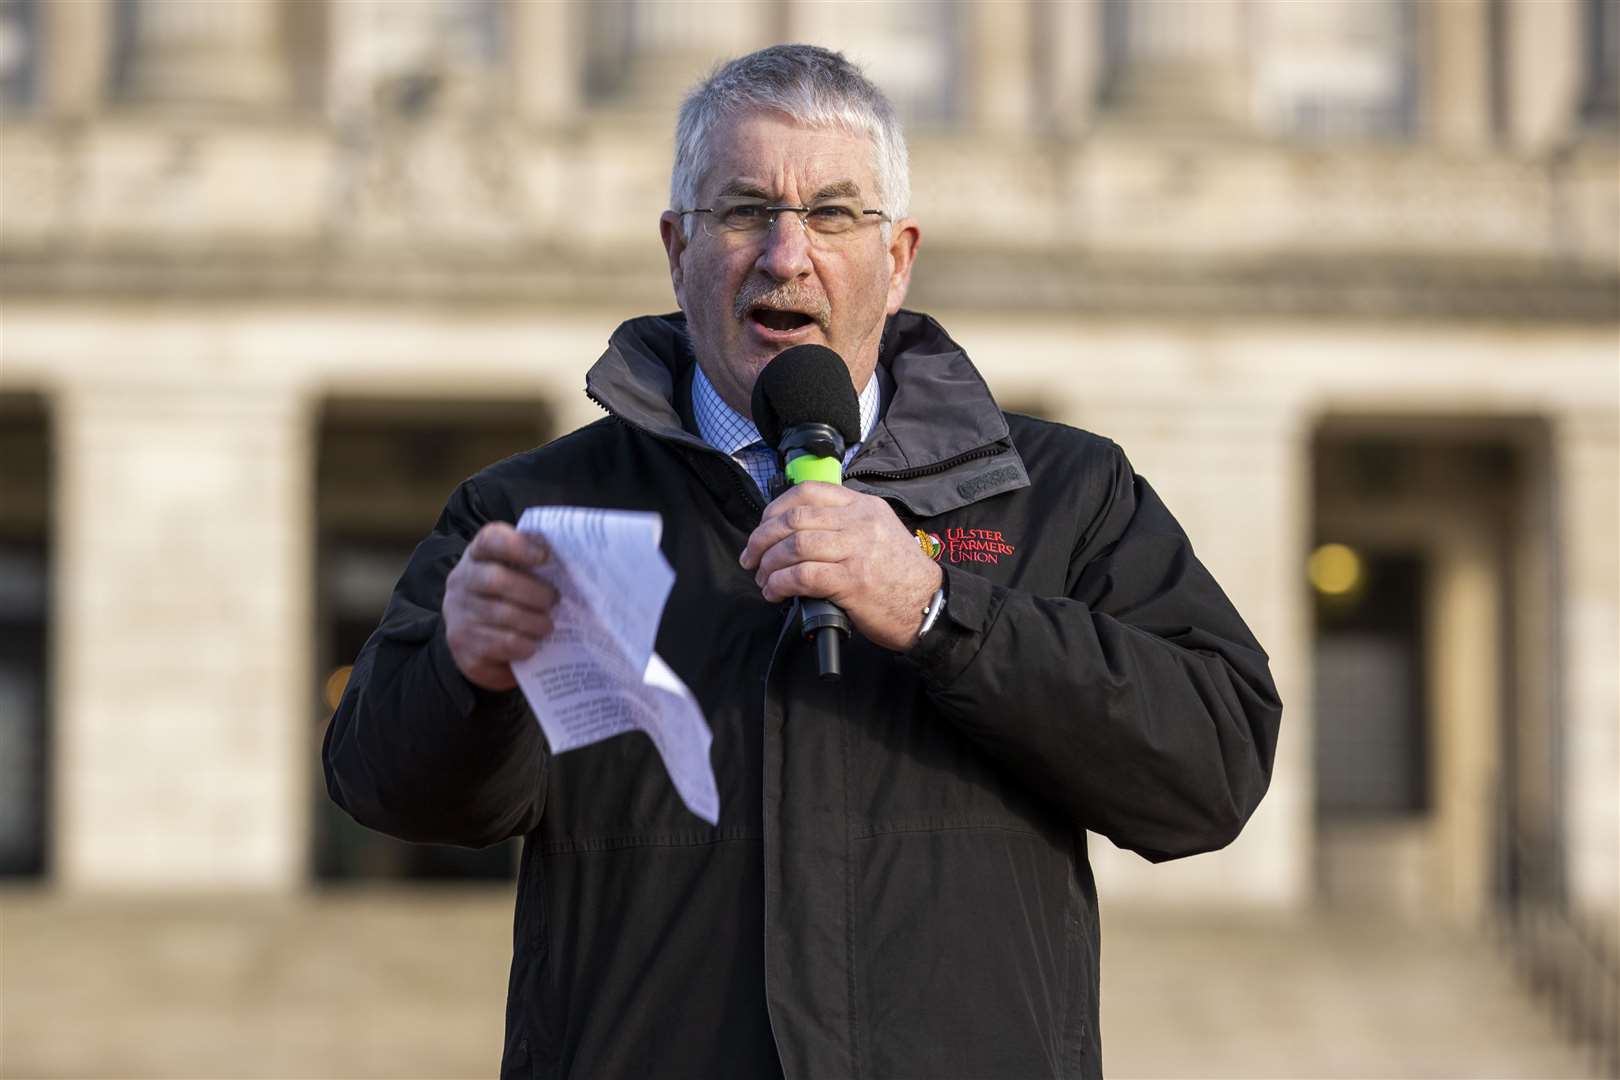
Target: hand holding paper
point(596, 675)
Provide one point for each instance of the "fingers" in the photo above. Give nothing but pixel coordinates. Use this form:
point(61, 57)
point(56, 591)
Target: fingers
point(507, 616)
point(807, 506)
point(814, 579)
point(500, 564)
point(495, 610)
point(497, 645)
point(836, 544)
point(500, 542)
point(810, 546)
point(494, 581)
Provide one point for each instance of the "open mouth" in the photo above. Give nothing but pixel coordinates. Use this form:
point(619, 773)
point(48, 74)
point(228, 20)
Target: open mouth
point(779, 321)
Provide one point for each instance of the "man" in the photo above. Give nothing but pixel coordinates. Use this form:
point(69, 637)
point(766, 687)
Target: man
point(898, 884)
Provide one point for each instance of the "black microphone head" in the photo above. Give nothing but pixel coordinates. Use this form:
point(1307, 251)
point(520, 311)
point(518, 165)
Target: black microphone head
point(807, 384)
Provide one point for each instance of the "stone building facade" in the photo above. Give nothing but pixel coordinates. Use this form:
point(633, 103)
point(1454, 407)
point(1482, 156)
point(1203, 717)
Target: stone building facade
point(277, 274)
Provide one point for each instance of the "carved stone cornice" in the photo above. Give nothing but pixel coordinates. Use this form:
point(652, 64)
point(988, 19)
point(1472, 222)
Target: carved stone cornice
point(962, 278)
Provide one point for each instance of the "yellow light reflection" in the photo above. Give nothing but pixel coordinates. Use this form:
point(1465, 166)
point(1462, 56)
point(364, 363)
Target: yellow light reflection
point(335, 684)
point(1335, 569)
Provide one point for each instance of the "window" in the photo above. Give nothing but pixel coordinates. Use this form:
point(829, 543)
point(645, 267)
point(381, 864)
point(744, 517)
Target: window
point(19, 52)
point(402, 58)
point(1600, 104)
point(1334, 69)
point(24, 635)
point(384, 471)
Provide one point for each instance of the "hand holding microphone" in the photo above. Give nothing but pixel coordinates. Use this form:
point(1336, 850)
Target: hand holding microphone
point(821, 541)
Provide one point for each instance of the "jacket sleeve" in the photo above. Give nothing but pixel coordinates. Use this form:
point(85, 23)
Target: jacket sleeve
point(1139, 703)
point(414, 749)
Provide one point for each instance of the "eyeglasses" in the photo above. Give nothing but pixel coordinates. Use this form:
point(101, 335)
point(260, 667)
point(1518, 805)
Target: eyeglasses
point(741, 218)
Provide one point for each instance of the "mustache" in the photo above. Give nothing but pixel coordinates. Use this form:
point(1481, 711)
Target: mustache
point(787, 295)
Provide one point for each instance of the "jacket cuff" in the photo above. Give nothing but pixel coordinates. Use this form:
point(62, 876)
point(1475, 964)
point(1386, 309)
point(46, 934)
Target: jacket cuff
point(466, 698)
point(971, 605)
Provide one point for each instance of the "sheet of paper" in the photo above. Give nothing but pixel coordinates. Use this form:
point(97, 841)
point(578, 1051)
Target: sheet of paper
point(596, 675)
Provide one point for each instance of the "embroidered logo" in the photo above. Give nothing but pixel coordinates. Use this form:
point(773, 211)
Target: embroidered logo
point(930, 544)
point(976, 545)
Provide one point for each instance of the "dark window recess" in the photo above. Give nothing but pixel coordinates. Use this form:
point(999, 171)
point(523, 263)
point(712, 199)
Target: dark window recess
point(25, 478)
point(19, 53)
point(1600, 100)
point(384, 472)
point(1371, 736)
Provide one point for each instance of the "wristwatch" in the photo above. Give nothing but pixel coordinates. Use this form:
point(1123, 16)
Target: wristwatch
point(930, 614)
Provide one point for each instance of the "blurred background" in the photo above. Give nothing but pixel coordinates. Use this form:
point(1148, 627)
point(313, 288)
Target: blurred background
point(1341, 276)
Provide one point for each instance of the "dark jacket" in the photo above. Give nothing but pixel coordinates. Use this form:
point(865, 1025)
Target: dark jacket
point(898, 885)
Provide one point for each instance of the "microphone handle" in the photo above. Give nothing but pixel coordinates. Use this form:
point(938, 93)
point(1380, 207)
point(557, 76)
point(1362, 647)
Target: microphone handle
point(815, 451)
point(828, 625)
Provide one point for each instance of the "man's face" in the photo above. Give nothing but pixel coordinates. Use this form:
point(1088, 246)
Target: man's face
point(748, 297)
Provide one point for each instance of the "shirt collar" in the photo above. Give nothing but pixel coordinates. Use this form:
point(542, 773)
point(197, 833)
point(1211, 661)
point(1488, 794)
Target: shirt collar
point(728, 430)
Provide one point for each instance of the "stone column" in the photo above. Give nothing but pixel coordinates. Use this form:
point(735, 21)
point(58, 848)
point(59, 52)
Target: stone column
point(1070, 37)
point(548, 49)
point(1183, 61)
point(1204, 455)
point(1544, 65)
point(207, 52)
point(1456, 90)
point(185, 704)
point(75, 44)
point(1587, 457)
point(673, 43)
point(1000, 37)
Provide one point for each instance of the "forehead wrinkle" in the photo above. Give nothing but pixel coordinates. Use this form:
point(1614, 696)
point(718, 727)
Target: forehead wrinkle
point(836, 189)
point(743, 187)
point(757, 190)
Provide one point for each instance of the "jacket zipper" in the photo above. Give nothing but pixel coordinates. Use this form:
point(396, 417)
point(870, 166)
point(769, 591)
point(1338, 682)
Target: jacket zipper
point(929, 470)
point(770, 670)
point(745, 485)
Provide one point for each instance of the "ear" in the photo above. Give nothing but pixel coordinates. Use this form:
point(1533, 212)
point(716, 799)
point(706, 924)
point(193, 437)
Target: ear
point(904, 238)
point(674, 238)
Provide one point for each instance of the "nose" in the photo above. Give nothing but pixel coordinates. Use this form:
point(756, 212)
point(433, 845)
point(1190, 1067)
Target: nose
point(786, 252)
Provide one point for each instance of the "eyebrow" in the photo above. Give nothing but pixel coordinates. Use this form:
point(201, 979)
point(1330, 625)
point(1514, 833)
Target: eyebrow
point(841, 189)
point(838, 189)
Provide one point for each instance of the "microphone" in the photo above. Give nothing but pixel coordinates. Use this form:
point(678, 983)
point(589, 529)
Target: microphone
point(805, 406)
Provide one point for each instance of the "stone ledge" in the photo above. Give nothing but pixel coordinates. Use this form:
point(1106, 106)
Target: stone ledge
point(1005, 281)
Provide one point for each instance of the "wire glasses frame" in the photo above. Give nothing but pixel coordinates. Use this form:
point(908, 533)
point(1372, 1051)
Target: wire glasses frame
point(737, 218)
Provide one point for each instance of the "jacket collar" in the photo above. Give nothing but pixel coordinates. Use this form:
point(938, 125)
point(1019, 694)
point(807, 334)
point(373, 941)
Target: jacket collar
point(942, 442)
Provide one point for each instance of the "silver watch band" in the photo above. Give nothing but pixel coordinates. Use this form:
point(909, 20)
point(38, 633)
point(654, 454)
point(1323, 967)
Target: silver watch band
point(930, 614)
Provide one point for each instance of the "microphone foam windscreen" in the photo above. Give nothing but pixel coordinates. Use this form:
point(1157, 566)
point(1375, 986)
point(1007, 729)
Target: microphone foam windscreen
point(807, 384)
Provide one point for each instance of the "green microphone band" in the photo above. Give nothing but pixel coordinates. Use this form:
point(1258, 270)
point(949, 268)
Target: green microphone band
point(828, 470)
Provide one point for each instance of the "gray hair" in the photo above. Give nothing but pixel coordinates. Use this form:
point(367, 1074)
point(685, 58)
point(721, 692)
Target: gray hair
point(816, 87)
